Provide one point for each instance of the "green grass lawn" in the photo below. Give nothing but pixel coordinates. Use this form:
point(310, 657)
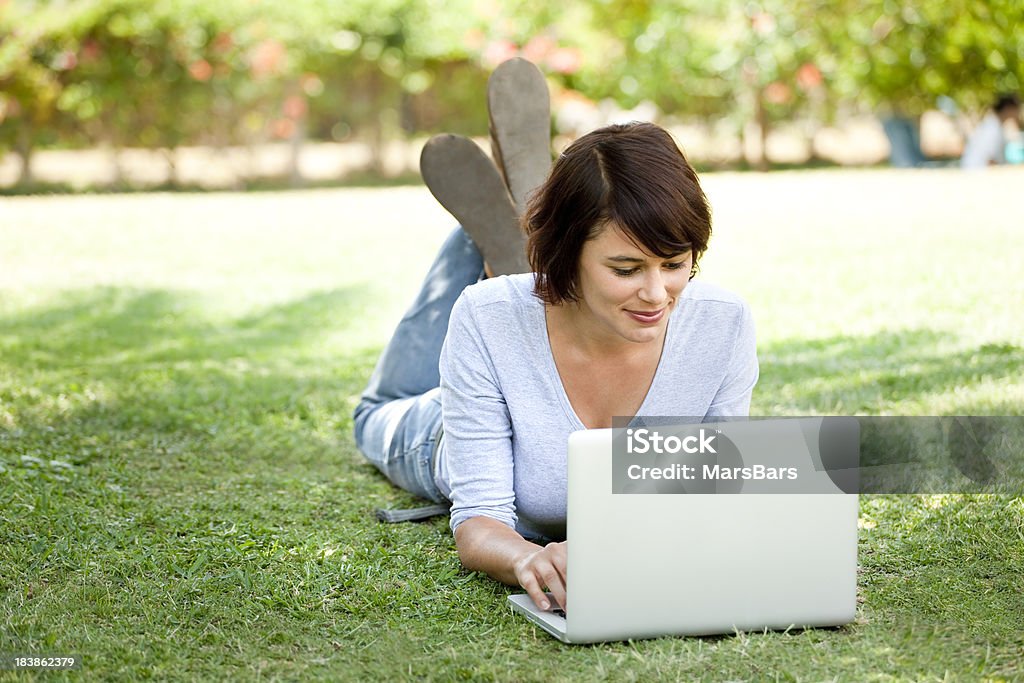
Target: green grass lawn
point(180, 496)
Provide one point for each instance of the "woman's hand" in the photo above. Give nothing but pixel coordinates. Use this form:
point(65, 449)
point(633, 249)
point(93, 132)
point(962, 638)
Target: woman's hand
point(496, 549)
point(543, 568)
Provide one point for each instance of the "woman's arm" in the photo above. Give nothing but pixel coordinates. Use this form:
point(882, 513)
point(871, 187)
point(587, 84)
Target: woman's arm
point(489, 546)
point(479, 458)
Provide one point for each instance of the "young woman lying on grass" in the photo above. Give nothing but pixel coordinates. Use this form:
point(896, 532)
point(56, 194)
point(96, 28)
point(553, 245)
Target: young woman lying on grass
point(475, 396)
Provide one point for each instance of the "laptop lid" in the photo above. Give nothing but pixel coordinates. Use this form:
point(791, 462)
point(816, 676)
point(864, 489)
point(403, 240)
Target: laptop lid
point(648, 564)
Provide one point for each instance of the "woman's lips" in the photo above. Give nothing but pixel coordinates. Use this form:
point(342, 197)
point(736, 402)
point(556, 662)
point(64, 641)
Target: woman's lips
point(647, 317)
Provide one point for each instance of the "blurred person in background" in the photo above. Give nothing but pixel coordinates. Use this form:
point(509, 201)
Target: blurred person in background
point(987, 144)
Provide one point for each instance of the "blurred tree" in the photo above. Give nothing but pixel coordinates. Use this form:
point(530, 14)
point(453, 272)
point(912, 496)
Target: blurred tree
point(29, 87)
point(165, 73)
point(396, 56)
point(740, 61)
point(897, 58)
point(900, 56)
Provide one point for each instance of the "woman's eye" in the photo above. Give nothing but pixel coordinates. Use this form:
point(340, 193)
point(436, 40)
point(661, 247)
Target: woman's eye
point(677, 265)
point(625, 272)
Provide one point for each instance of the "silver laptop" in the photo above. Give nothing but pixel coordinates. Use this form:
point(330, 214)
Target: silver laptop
point(650, 565)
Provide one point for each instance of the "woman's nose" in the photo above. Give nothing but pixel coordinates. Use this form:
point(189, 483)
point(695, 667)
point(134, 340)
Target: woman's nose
point(653, 290)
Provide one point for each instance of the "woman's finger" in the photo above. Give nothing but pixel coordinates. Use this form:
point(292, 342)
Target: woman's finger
point(532, 586)
point(554, 582)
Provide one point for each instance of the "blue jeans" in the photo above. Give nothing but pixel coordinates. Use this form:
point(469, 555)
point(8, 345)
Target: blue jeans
point(398, 419)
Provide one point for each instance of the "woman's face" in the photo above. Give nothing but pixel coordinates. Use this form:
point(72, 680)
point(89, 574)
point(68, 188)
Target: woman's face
point(624, 291)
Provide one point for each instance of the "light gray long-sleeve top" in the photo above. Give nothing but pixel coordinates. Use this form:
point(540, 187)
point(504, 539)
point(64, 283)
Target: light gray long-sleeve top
point(506, 415)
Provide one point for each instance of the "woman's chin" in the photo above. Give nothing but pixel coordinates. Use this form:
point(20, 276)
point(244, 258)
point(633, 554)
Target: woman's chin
point(644, 335)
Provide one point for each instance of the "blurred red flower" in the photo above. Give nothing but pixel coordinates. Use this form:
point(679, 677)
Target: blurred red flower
point(778, 93)
point(808, 76)
point(267, 58)
point(566, 60)
point(200, 70)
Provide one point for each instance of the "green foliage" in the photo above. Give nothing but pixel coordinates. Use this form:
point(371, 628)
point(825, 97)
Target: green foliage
point(161, 73)
point(707, 59)
point(29, 88)
point(902, 55)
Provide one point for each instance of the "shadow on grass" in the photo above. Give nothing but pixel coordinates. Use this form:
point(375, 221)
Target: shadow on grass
point(154, 361)
point(129, 325)
point(849, 374)
point(157, 360)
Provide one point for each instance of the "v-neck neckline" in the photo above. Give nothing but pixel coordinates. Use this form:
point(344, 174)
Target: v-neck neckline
point(563, 395)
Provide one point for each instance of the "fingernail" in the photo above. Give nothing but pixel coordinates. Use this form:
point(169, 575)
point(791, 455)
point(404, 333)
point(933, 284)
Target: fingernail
point(544, 604)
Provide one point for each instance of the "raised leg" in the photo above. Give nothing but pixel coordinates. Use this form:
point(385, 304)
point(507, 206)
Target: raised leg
point(398, 418)
point(408, 365)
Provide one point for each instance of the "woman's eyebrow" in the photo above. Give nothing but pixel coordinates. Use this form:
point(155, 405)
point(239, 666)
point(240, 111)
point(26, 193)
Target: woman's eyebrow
point(634, 259)
point(625, 259)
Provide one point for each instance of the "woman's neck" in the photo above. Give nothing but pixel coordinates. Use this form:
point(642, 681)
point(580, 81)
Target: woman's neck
point(573, 325)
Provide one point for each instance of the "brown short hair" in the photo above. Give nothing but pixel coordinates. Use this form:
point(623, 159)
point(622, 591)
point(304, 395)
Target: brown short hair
point(631, 174)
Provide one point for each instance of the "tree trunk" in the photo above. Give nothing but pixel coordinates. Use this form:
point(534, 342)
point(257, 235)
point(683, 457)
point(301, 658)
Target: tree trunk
point(25, 149)
point(297, 138)
point(762, 124)
point(247, 176)
point(377, 127)
point(116, 170)
point(171, 156)
point(296, 142)
point(108, 126)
